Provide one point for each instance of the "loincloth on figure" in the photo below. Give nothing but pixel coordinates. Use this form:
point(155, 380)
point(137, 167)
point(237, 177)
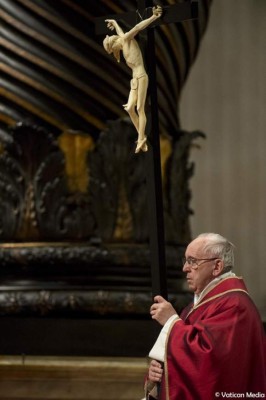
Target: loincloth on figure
point(134, 83)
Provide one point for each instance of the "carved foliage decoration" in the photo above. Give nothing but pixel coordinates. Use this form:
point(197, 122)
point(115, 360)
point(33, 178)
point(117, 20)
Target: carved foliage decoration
point(40, 201)
point(12, 193)
point(118, 184)
point(36, 203)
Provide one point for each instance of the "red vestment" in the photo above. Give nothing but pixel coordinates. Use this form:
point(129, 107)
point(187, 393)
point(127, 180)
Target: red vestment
point(218, 346)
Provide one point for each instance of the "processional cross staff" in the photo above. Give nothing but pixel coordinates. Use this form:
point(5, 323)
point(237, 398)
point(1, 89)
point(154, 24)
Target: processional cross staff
point(148, 17)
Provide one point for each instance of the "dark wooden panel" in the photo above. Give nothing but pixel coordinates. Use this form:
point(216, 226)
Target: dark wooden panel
point(79, 337)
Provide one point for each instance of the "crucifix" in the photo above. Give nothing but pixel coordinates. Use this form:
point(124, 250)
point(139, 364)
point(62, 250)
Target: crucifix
point(169, 14)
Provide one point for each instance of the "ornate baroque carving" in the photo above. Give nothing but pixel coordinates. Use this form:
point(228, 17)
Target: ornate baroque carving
point(37, 202)
point(67, 279)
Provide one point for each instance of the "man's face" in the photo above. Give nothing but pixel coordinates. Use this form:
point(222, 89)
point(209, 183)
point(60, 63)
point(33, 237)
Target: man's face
point(198, 276)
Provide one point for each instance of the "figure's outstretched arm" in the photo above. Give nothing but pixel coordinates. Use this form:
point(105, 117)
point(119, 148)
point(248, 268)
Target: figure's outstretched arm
point(112, 24)
point(156, 13)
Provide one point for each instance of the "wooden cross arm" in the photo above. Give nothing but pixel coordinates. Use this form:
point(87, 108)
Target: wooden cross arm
point(173, 13)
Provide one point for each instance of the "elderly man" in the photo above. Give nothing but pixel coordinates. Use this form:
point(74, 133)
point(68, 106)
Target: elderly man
point(216, 347)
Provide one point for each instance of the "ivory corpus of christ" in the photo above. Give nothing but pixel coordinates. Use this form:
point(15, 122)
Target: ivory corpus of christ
point(126, 42)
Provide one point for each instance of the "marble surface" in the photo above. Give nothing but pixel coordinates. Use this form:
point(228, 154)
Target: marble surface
point(69, 378)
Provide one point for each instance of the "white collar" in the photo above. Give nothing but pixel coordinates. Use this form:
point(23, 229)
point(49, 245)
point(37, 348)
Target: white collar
point(197, 297)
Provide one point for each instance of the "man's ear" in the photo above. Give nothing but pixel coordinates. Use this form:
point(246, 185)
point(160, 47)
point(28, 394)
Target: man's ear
point(218, 267)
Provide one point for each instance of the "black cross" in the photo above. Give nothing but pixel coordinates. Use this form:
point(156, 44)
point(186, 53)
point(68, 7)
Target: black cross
point(174, 13)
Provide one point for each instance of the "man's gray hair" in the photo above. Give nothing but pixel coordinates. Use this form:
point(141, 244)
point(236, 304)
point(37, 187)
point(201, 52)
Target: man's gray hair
point(218, 246)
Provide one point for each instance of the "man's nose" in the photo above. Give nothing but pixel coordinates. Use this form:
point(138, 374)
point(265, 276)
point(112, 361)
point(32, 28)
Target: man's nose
point(186, 267)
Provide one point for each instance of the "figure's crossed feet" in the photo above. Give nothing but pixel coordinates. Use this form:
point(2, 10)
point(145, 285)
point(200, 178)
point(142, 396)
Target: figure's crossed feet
point(142, 145)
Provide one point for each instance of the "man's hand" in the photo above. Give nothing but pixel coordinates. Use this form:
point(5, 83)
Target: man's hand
point(157, 11)
point(155, 371)
point(161, 310)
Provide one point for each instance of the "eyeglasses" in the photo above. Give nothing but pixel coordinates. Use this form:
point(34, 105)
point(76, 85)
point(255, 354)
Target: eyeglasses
point(193, 262)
